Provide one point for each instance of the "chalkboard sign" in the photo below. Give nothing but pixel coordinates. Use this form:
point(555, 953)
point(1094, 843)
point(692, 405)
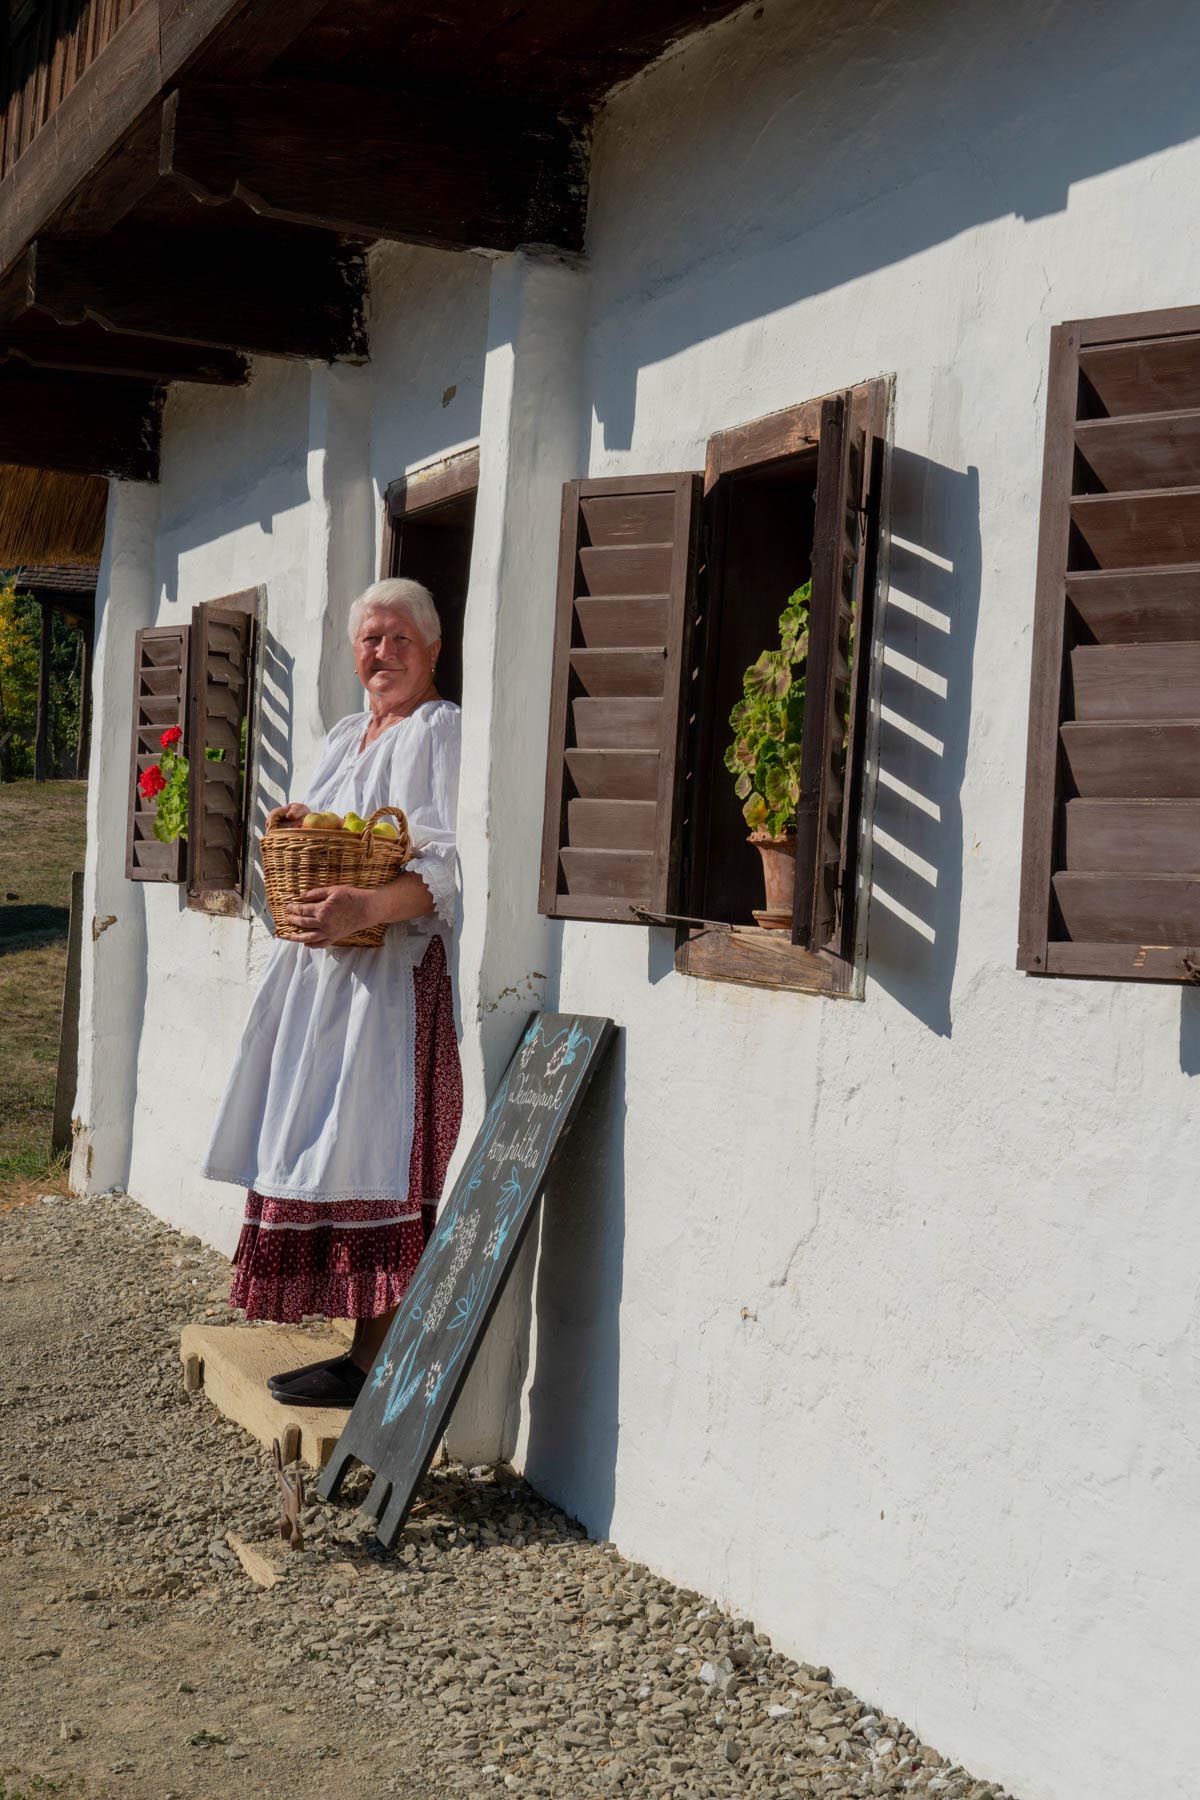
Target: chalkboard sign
point(399, 1417)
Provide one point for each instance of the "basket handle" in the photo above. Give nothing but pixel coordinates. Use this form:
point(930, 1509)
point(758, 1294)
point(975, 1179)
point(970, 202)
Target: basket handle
point(381, 812)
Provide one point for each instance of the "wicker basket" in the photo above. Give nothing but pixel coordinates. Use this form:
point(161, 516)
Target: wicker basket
point(295, 861)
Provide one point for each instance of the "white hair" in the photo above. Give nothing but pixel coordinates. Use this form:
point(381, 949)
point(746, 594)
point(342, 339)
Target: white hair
point(398, 595)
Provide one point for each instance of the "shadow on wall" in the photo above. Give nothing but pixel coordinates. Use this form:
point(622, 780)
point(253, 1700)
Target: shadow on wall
point(575, 1396)
point(928, 643)
point(275, 768)
point(969, 113)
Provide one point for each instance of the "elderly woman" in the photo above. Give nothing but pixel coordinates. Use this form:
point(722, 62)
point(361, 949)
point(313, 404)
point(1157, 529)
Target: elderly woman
point(345, 1099)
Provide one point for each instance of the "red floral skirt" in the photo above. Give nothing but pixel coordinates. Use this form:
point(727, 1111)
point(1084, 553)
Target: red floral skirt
point(353, 1259)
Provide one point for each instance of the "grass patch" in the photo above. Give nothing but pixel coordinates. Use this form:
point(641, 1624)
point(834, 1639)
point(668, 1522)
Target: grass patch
point(42, 835)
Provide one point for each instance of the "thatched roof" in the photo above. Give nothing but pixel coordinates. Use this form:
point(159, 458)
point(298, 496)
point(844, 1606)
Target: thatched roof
point(50, 518)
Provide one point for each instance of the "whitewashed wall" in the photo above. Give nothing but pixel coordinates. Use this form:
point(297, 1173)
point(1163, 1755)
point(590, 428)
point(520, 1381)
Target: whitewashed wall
point(880, 1321)
point(278, 483)
point(876, 1320)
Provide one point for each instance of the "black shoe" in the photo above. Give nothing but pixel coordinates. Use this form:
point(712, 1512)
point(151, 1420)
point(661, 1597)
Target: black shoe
point(275, 1382)
point(336, 1383)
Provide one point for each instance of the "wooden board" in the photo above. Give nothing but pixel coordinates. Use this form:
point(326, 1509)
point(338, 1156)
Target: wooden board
point(1126, 530)
point(1147, 761)
point(1160, 837)
point(1143, 375)
point(1142, 450)
point(401, 1413)
point(1137, 606)
point(1109, 908)
point(1136, 681)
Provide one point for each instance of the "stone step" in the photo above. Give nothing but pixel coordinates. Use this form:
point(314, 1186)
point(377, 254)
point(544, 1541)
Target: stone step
point(232, 1362)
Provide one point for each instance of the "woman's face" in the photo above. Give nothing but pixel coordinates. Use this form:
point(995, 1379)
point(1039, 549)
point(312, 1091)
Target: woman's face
point(393, 663)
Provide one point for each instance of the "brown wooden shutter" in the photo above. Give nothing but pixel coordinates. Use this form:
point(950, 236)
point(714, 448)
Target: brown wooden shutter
point(160, 686)
point(835, 694)
point(1110, 881)
point(614, 772)
point(223, 633)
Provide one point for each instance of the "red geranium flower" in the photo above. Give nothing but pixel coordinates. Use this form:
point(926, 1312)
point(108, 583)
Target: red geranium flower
point(152, 782)
point(170, 736)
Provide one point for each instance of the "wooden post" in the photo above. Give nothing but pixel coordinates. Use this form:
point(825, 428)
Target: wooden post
point(83, 733)
point(68, 1031)
point(41, 748)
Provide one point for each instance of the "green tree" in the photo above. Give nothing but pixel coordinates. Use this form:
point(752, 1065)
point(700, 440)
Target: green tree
point(20, 651)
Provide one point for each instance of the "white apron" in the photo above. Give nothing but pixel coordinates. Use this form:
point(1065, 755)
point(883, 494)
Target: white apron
point(319, 1103)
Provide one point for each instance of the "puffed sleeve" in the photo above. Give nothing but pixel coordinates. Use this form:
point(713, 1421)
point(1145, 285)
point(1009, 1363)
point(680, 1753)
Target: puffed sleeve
point(433, 807)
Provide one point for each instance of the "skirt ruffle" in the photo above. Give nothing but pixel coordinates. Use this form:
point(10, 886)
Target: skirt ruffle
point(354, 1259)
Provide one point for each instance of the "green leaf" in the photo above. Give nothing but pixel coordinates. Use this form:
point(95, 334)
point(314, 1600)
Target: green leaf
point(742, 786)
point(770, 678)
point(755, 812)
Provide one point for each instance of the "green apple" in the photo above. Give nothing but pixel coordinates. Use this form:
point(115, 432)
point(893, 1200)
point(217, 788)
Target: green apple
point(353, 823)
point(384, 828)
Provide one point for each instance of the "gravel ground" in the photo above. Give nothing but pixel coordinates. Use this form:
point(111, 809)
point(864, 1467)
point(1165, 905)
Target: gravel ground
point(495, 1650)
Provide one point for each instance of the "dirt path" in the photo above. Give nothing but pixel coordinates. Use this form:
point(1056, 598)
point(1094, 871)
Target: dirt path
point(495, 1651)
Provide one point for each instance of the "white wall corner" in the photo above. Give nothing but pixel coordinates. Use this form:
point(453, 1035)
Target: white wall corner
point(113, 972)
point(341, 532)
point(531, 439)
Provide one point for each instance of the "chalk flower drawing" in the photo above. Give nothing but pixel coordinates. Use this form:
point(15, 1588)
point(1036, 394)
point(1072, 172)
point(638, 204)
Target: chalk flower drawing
point(468, 1231)
point(436, 1284)
point(562, 1055)
point(435, 1312)
point(381, 1374)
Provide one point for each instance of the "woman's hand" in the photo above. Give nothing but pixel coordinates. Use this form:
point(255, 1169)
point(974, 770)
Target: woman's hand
point(291, 814)
point(325, 914)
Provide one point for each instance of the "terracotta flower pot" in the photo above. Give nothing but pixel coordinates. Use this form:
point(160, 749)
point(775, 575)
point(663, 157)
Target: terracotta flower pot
point(779, 878)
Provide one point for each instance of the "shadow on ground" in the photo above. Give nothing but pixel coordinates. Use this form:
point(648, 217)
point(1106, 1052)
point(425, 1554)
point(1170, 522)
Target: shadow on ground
point(25, 927)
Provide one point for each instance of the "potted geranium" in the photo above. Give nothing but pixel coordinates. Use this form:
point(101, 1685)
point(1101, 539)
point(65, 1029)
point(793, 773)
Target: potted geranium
point(166, 782)
point(768, 725)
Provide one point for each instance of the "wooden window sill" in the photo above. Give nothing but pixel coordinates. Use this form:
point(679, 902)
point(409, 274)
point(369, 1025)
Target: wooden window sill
point(752, 957)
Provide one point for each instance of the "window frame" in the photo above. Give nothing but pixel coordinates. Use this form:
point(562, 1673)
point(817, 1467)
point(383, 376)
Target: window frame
point(232, 902)
point(747, 954)
point(1038, 953)
point(447, 479)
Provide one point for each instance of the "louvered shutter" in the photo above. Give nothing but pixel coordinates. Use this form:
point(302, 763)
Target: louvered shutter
point(835, 691)
point(614, 772)
point(160, 687)
point(222, 661)
point(1111, 870)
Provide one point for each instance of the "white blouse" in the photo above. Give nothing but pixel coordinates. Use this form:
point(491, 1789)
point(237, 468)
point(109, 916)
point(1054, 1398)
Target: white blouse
point(319, 1103)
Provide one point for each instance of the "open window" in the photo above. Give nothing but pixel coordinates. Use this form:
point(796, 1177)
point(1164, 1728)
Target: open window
point(429, 530)
point(198, 680)
point(669, 589)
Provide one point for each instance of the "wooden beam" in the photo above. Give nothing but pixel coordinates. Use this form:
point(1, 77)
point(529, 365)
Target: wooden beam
point(80, 424)
point(90, 350)
point(288, 294)
point(460, 170)
point(230, 41)
point(116, 97)
point(91, 121)
point(41, 740)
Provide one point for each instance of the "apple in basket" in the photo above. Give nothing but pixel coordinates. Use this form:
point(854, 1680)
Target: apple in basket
point(321, 821)
point(353, 823)
point(384, 828)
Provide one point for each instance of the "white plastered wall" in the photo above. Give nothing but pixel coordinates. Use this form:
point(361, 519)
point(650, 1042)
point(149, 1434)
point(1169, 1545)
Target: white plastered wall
point(879, 1321)
point(277, 484)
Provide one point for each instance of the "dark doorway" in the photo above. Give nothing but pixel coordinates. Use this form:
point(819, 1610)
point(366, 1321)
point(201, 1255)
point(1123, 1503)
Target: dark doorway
point(431, 521)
